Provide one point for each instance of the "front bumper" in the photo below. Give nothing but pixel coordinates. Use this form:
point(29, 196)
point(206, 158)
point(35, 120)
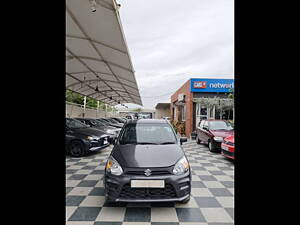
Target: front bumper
point(228, 152)
point(92, 149)
point(95, 145)
point(177, 188)
point(112, 137)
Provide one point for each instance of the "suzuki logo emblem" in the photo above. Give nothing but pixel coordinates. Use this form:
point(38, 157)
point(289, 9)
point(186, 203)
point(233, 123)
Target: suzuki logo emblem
point(147, 172)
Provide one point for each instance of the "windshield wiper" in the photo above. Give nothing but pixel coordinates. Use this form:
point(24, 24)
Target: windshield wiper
point(128, 143)
point(146, 143)
point(167, 143)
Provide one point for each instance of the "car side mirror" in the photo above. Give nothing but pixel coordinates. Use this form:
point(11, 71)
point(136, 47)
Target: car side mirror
point(183, 139)
point(205, 128)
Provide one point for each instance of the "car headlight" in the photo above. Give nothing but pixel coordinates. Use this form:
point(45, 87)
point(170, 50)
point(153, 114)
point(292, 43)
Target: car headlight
point(113, 167)
point(181, 166)
point(92, 138)
point(218, 138)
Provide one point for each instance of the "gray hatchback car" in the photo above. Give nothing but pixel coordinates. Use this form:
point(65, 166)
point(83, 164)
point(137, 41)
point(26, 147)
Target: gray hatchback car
point(147, 164)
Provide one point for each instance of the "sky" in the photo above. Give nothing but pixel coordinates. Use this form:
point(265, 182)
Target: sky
point(171, 41)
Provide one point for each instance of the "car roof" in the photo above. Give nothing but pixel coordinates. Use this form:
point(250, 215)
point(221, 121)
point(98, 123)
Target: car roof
point(148, 121)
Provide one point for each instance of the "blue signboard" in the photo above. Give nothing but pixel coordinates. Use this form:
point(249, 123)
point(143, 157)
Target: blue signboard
point(212, 85)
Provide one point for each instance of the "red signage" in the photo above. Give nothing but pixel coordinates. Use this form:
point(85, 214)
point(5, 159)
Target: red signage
point(200, 84)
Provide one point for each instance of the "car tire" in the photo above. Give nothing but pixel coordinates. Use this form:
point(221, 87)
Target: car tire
point(198, 141)
point(211, 146)
point(76, 149)
point(186, 200)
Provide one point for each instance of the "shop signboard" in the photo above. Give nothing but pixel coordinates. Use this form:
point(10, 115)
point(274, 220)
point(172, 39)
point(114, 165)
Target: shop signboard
point(212, 85)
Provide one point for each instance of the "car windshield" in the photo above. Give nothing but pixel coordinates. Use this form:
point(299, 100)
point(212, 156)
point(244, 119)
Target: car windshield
point(113, 120)
point(103, 121)
point(107, 121)
point(96, 123)
point(220, 125)
point(120, 120)
point(148, 134)
point(74, 124)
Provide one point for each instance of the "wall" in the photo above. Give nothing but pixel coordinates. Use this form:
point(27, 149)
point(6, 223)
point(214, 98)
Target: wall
point(75, 110)
point(184, 89)
point(162, 112)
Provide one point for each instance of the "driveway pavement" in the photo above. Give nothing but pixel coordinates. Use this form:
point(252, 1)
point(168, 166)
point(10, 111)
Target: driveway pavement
point(212, 200)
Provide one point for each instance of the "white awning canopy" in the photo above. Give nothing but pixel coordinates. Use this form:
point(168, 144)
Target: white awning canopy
point(98, 64)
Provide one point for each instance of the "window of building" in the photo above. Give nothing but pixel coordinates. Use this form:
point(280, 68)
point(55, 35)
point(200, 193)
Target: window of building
point(183, 112)
point(175, 113)
point(201, 123)
point(198, 109)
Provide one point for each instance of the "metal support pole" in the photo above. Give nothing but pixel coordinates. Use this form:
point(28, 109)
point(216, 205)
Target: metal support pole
point(84, 106)
point(98, 105)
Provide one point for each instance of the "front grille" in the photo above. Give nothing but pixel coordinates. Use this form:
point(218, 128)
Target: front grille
point(147, 193)
point(112, 189)
point(153, 173)
point(101, 140)
point(95, 144)
point(228, 152)
point(229, 143)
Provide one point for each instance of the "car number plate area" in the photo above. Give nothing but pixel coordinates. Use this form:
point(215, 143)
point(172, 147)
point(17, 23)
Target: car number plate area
point(225, 148)
point(147, 183)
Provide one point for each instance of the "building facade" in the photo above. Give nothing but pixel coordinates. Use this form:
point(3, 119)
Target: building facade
point(162, 110)
point(200, 99)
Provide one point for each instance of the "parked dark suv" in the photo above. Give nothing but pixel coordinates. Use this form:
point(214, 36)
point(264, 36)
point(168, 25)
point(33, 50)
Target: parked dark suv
point(147, 164)
point(109, 123)
point(212, 132)
point(81, 139)
point(113, 132)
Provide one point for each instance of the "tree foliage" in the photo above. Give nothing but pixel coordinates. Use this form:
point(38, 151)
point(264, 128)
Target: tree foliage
point(137, 110)
point(231, 93)
point(90, 102)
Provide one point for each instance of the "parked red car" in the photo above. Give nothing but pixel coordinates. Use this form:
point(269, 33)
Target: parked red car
point(228, 147)
point(212, 132)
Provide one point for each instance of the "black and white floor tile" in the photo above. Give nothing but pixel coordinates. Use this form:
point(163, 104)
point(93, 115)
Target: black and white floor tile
point(212, 201)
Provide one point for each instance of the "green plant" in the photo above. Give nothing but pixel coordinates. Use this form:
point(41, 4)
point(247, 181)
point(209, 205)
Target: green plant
point(79, 99)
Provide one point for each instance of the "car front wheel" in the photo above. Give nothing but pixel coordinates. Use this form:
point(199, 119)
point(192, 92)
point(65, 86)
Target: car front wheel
point(211, 146)
point(198, 140)
point(76, 149)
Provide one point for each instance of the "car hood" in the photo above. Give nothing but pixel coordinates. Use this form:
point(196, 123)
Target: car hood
point(222, 133)
point(147, 155)
point(113, 128)
point(89, 131)
point(116, 125)
point(106, 128)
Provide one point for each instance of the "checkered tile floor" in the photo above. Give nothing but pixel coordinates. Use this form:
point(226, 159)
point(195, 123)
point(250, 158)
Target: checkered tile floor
point(212, 200)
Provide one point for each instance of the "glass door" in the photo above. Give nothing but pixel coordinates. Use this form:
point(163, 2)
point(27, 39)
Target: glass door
point(201, 113)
